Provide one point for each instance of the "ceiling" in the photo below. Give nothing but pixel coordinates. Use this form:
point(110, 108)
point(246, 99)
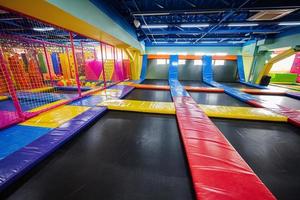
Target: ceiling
point(204, 22)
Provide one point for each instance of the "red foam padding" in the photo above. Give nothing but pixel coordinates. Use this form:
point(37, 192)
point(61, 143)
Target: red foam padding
point(292, 115)
point(217, 170)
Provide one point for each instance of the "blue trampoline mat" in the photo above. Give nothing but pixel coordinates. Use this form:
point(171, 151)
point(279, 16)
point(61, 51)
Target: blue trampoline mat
point(16, 137)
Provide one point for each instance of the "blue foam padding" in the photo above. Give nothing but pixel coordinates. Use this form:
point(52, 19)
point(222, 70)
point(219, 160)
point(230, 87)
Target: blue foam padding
point(177, 89)
point(44, 96)
point(16, 137)
point(207, 68)
point(173, 68)
point(232, 91)
point(26, 105)
point(21, 161)
point(144, 67)
point(254, 85)
point(295, 95)
point(126, 91)
point(240, 68)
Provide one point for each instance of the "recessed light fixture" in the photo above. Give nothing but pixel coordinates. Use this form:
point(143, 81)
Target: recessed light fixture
point(155, 26)
point(151, 14)
point(43, 29)
point(194, 25)
point(242, 24)
point(209, 42)
point(289, 24)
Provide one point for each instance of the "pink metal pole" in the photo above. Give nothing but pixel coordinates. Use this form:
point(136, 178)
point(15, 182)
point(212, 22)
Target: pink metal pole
point(11, 88)
point(48, 65)
point(103, 71)
point(75, 64)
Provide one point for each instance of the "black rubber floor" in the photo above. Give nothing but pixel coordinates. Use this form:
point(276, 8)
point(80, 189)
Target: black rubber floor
point(194, 83)
point(272, 151)
point(124, 156)
point(155, 82)
point(237, 85)
point(281, 100)
point(221, 99)
point(150, 95)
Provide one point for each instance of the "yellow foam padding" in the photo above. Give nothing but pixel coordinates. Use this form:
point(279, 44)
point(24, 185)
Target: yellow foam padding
point(211, 110)
point(126, 83)
point(109, 92)
point(2, 98)
point(56, 117)
point(44, 89)
point(48, 105)
point(140, 106)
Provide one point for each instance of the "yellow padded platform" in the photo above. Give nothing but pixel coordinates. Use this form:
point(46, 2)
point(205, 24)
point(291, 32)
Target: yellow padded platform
point(44, 89)
point(55, 117)
point(48, 105)
point(2, 98)
point(211, 110)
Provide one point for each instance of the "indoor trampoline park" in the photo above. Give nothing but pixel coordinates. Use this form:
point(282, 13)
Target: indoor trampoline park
point(150, 99)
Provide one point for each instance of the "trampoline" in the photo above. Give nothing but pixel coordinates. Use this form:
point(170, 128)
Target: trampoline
point(155, 82)
point(194, 83)
point(237, 85)
point(281, 100)
point(271, 150)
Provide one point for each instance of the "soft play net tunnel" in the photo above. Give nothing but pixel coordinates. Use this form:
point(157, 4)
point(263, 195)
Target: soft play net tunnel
point(43, 66)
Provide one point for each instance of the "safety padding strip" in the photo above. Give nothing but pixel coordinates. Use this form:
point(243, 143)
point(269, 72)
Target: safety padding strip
point(292, 115)
point(258, 91)
point(144, 67)
point(15, 165)
point(295, 95)
point(217, 170)
point(253, 85)
point(230, 112)
point(232, 91)
point(188, 88)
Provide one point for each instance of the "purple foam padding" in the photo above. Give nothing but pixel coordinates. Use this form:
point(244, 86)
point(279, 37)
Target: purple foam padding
point(295, 95)
point(126, 90)
point(21, 161)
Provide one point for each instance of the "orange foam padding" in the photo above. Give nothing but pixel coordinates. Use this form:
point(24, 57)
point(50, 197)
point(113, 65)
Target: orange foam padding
point(229, 57)
point(151, 87)
point(258, 91)
point(203, 89)
point(153, 56)
point(217, 170)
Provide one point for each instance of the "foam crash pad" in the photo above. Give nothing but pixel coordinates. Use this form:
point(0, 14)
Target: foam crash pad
point(233, 112)
point(56, 117)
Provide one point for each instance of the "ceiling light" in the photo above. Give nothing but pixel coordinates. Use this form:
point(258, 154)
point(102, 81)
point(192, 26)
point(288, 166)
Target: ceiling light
point(194, 25)
point(182, 42)
point(209, 42)
point(155, 26)
point(43, 29)
point(236, 42)
point(289, 24)
point(221, 54)
point(242, 24)
point(151, 14)
point(161, 42)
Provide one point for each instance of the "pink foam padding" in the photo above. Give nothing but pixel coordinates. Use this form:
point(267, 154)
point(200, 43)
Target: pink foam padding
point(296, 66)
point(8, 118)
point(118, 73)
point(93, 70)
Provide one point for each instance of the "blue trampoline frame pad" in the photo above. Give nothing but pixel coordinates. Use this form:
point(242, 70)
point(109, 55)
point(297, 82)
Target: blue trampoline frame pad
point(16, 137)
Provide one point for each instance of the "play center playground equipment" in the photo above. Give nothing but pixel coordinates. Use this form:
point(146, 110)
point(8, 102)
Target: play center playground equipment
point(87, 111)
